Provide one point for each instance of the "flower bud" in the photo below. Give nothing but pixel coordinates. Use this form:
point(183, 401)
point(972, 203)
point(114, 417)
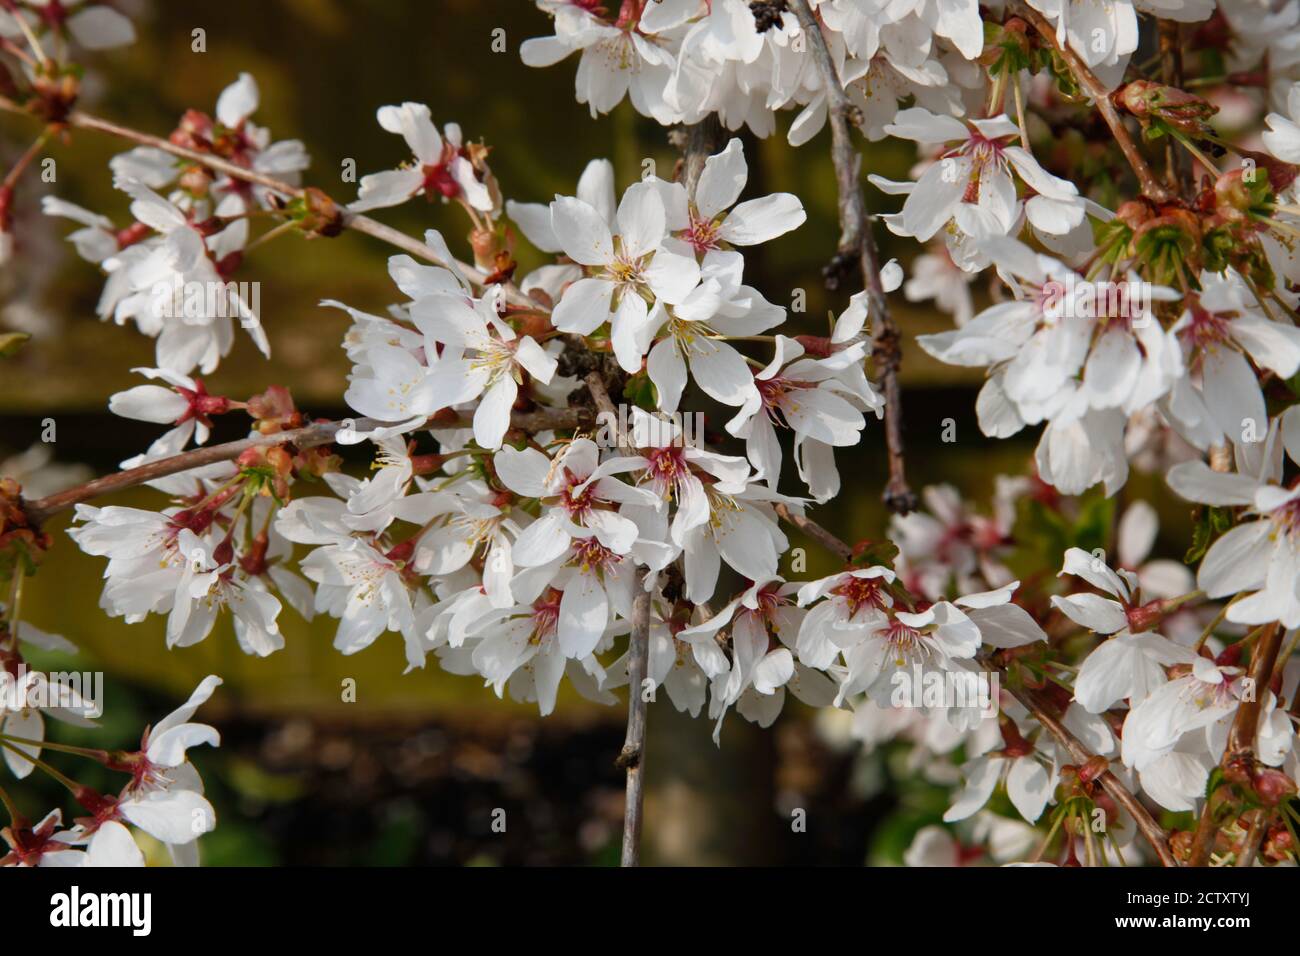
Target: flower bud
point(274, 411)
point(1093, 768)
point(1272, 785)
point(1178, 109)
point(317, 214)
point(196, 180)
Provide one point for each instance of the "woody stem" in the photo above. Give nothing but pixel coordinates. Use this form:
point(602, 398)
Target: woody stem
point(857, 242)
point(1151, 187)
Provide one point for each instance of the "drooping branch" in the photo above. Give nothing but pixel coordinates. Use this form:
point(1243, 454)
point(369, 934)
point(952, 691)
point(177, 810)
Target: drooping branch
point(353, 221)
point(857, 245)
point(632, 757)
point(1154, 833)
point(815, 531)
point(1240, 749)
point(1087, 80)
point(309, 436)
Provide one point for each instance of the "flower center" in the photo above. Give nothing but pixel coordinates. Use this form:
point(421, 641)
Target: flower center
point(905, 641)
point(702, 234)
point(861, 593)
point(546, 614)
point(667, 466)
point(577, 501)
point(588, 553)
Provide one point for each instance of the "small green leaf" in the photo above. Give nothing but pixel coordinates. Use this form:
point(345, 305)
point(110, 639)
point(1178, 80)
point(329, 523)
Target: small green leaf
point(11, 342)
point(1208, 524)
point(1214, 782)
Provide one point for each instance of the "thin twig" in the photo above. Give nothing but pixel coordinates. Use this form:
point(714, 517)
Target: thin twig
point(319, 433)
point(1151, 187)
point(1154, 833)
point(815, 531)
point(857, 243)
point(1240, 748)
point(1250, 848)
point(632, 758)
point(27, 158)
point(353, 221)
point(1245, 725)
point(1171, 74)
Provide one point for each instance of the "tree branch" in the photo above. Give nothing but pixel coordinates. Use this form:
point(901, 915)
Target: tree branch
point(353, 221)
point(632, 758)
point(815, 531)
point(1240, 749)
point(1154, 833)
point(857, 243)
point(309, 436)
point(1151, 187)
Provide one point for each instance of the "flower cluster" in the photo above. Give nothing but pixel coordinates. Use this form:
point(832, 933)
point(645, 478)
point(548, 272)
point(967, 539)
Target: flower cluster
point(545, 500)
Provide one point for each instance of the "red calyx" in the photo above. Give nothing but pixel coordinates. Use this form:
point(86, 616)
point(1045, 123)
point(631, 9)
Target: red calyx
point(1144, 617)
point(136, 232)
point(1014, 744)
point(202, 405)
point(253, 561)
point(815, 346)
point(1230, 656)
point(402, 552)
point(438, 179)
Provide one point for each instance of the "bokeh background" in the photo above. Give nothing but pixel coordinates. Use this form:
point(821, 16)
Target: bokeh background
point(413, 770)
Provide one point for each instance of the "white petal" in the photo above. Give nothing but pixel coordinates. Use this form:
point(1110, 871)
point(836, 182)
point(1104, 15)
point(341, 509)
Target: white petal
point(1196, 481)
point(762, 219)
point(581, 231)
point(1092, 611)
point(722, 180)
point(1029, 787)
point(238, 101)
point(584, 306)
point(584, 614)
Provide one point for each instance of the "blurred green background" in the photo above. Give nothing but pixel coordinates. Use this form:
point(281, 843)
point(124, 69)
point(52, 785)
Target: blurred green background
point(412, 771)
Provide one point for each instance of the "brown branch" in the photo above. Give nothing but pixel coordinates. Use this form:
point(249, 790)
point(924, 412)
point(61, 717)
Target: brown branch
point(1245, 725)
point(1240, 749)
point(1087, 80)
point(309, 436)
point(1154, 833)
point(1171, 74)
point(353, 221)
point(815, 531)
point(858, 244)
point(605, 406)
point(632, 758)
point(1250, 846)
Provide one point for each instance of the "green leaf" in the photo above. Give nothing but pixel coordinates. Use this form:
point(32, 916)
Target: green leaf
point(640, 391)
point(872, 553)
point(1214, 782)
point(1208, 524)
point(11, 342)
